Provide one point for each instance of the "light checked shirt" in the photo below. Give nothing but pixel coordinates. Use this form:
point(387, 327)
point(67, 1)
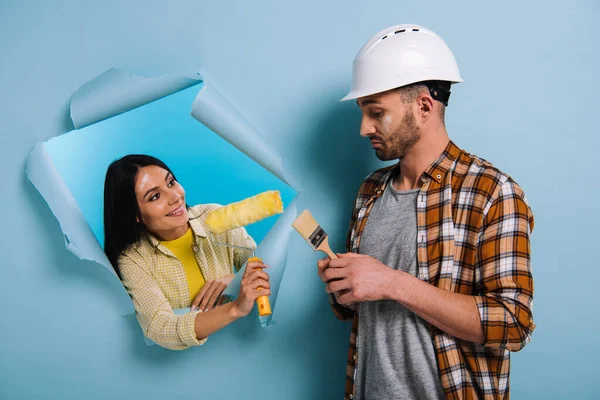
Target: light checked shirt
point(157, 283)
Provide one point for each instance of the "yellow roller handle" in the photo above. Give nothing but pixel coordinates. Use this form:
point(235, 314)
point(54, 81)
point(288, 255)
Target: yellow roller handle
point(264, 307)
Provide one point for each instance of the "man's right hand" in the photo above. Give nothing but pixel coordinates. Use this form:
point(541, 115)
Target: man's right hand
point(322, 265)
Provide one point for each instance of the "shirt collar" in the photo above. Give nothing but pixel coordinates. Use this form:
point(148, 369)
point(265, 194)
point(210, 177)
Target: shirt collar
point(442, 164)
point(436, 171)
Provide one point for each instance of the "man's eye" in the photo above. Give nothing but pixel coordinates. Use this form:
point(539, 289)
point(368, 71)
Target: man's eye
point(377, 115)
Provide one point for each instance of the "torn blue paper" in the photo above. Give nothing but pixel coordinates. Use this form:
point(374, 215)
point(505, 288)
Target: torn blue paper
point(64, 168)
point(115, 92)
point(214, 111)
point(42, 172)
point(217, 113)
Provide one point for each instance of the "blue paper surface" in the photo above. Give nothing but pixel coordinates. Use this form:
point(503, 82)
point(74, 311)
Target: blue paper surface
point(209, 169)
point(222, 164)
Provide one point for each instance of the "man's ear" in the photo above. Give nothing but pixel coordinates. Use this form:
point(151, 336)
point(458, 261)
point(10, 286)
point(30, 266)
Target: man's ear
point(425, 104)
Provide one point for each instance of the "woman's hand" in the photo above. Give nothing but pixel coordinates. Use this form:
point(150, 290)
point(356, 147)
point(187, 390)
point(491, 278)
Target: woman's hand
point(210, 293)
point(249, 289)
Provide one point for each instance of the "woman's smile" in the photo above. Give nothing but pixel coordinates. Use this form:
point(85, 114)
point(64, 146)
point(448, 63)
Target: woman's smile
point(178, 212)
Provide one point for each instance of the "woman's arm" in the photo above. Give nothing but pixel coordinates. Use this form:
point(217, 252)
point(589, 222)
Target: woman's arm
point(178, 332)
point(211, 321)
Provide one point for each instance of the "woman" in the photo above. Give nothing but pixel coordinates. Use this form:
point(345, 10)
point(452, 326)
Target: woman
point(165, 258)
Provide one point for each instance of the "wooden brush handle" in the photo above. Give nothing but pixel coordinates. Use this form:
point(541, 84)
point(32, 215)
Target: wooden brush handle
point(263, 304)
point(324, 247)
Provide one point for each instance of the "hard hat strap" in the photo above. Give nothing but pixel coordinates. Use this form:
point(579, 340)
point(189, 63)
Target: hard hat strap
point(439, 90)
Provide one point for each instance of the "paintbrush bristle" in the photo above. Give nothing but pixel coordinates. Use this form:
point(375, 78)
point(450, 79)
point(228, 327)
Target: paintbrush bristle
point(305, 224)
point(309, 229)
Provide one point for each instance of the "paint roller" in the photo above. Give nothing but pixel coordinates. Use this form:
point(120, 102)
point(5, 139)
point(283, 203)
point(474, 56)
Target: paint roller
point(242, 213)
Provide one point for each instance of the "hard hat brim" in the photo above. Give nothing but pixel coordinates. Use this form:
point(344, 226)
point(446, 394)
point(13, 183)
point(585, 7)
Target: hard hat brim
point(358, 93)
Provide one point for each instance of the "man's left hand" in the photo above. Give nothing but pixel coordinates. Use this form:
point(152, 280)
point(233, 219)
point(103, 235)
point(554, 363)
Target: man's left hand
point(356, 278)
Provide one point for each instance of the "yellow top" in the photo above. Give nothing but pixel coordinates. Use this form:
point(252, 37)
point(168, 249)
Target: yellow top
point(182, 249)
point(157, 283)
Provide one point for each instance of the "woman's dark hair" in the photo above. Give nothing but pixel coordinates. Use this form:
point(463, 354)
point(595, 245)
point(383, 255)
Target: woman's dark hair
point(121, 210)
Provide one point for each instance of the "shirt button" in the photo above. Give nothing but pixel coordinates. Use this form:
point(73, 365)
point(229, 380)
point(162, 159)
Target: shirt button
point(195, 248)
point(351, 396)
point(354, 357)
point(439, 176)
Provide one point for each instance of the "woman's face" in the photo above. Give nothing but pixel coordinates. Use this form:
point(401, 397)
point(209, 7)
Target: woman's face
point(161, 200)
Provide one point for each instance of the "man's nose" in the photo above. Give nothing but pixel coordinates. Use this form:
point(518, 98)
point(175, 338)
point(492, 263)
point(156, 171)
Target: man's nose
point(366, 127)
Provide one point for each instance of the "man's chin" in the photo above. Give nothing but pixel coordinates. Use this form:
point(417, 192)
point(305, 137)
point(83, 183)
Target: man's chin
point(383, 156)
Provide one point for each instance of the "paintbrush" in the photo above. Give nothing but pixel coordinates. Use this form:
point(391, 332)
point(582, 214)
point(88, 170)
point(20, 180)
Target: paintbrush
point(312, 232)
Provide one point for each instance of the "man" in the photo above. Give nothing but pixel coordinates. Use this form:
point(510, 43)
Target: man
point(437, 278)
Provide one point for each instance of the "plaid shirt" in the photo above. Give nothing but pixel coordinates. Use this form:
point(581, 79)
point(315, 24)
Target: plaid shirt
point(473, 227)
point(156, 280)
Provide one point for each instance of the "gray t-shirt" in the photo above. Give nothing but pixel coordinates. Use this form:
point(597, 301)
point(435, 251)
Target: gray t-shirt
point(396, 358)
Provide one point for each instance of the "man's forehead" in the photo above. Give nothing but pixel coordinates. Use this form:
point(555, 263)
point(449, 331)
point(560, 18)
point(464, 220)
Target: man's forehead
point(365, 101)
point(376, 99)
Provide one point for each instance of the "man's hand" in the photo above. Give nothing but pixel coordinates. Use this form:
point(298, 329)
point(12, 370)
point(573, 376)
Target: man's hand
point(354, 278)
point(211, 292)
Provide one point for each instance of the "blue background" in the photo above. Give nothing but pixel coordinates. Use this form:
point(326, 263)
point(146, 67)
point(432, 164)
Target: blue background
point(209, 169)
point(529, 105)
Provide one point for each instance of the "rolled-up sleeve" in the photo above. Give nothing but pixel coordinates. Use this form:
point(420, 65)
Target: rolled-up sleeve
point(503, 274)
point(153, 311)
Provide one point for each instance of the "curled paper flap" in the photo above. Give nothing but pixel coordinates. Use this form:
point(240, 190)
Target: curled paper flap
point(115, 92)
point(79, 238)
point(214, 111)
point(273, 250)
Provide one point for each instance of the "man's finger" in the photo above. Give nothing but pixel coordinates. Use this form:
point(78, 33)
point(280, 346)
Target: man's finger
point(346, 299)
point(339, 262)
point(334, 273)
point(337, 286)
point(349, 255)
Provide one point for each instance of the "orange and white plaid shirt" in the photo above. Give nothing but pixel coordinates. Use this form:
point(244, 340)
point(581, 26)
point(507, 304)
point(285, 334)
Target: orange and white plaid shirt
point(157, 283)
point(473, 227)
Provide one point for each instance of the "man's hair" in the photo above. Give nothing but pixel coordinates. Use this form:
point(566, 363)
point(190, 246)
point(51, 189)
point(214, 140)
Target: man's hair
point(409, 93)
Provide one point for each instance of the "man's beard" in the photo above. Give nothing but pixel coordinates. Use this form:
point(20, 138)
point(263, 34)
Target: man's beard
point(401, 140)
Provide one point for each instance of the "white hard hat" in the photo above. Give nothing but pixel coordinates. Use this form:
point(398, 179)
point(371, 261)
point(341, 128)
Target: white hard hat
point(398, 56)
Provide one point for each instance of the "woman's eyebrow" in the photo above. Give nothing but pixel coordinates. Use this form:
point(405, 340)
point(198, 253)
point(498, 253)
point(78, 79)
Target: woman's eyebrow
point(156, 187)
point(150, 190)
